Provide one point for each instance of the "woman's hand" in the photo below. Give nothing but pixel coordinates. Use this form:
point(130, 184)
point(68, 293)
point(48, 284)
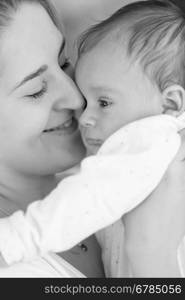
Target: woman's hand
point(155, 228)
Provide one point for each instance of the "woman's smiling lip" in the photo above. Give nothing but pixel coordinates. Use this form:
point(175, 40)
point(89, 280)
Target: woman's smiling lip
point(67, 127)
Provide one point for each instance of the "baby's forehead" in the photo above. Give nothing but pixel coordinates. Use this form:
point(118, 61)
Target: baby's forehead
point(106, 66)
point(116, 36)
point(110, 44)
point(103, 55)
point(104, 61)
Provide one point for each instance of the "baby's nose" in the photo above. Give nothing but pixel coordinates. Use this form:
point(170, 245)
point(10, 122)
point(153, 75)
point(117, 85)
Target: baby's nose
point(87, 120)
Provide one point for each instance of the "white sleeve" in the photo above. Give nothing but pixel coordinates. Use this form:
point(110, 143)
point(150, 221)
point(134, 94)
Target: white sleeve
point(87, 202)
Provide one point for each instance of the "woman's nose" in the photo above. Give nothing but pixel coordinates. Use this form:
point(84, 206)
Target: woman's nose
point(69, 95)
point(87, 119)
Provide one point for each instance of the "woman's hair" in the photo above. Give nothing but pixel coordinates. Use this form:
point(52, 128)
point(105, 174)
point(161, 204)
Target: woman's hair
point(9, 7)
point(153, 33)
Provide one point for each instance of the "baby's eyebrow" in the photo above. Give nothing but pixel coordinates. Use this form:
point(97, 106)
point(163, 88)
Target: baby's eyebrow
point(105, 89)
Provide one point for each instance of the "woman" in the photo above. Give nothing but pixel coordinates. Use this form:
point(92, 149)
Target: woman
point(38, 131)
point(39, 134)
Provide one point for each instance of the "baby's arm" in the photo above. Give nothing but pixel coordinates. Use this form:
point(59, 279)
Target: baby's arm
point(87, 202)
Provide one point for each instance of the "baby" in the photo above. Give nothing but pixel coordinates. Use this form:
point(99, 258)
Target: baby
point(131, 73)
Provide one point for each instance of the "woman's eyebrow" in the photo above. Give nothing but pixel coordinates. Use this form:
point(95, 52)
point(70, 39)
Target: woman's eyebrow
point(41, 70)
point(36, 73)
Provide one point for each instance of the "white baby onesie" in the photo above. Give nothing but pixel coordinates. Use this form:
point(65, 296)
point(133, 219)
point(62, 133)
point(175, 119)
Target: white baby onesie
point(126, 169)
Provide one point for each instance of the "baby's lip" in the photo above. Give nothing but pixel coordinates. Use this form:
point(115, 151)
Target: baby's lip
point(93, 141)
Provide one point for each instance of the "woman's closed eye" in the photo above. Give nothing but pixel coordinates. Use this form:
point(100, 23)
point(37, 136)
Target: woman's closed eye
point(39, 93)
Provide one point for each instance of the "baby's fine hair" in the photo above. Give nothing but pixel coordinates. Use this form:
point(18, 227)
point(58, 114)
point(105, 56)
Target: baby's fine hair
point(154, 31)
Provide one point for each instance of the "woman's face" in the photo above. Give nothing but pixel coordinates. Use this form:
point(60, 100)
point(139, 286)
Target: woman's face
point(38, 134)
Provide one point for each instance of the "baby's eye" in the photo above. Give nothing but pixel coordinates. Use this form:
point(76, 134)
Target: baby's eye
point(104, 103)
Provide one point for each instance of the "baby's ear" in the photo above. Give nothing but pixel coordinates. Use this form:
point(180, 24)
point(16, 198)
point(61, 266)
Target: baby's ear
point(174, 100)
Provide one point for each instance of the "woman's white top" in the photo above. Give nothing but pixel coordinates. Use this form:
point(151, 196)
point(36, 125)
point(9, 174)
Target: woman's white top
point(50, 265)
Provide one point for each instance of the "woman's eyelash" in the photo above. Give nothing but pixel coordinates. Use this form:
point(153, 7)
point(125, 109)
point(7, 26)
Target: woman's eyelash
point(40, 93)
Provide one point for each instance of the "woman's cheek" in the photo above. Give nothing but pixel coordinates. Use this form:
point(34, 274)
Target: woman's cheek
point(35, 121)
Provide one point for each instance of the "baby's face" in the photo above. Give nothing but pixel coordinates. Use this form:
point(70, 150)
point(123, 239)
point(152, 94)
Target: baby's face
point(117, 93)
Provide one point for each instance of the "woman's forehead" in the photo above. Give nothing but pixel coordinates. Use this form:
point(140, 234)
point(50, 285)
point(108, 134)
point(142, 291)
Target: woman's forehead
point(31, 39)
point(30, 22)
